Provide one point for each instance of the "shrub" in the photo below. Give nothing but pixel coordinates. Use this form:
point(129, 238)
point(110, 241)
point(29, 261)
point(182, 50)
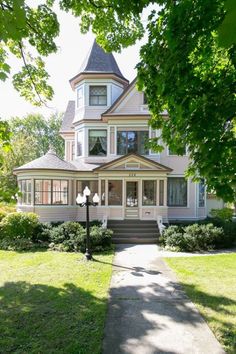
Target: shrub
point(71, 237)
point(3, 213)
point(68, 236)
point(19, 226)
point(194, 237)
point(100, 238)
point(225, 214)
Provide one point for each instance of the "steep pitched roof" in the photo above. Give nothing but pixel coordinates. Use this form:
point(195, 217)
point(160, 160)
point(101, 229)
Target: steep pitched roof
point(121, 97)
point(50, 161)
point(98, 61)
point(67, 122)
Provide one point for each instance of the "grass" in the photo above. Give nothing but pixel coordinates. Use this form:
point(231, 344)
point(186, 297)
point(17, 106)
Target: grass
point(210, 282)
point(52, 302)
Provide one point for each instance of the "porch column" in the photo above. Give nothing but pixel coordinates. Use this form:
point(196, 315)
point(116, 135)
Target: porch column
point(165, 192)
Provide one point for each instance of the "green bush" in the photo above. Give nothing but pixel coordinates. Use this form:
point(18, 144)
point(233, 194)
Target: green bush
point(225, 214)
point(192, 238)
point(19, 226)
point(3, 213)
point(71, 237)
point(100, 238)
point(68, 237)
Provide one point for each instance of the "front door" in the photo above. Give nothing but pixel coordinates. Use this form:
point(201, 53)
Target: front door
point(132, 194)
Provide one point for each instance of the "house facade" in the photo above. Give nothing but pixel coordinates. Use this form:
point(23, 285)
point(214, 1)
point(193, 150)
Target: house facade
point(105, 129)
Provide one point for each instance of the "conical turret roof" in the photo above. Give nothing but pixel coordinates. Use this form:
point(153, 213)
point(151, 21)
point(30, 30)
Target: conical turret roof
point(98, 61)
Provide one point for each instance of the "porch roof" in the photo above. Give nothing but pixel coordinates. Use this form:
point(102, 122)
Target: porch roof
point(120, 163)
point(50, 161)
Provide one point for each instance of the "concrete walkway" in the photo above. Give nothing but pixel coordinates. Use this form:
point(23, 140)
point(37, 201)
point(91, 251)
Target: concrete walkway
point(148, 312)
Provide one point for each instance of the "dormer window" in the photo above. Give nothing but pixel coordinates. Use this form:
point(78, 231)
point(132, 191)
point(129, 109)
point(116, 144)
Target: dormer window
point(97, 142)
point(97, 95)
point(79, 96)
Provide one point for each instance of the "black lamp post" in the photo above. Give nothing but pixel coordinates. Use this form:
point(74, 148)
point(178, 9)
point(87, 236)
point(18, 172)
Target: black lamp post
point(84, 201)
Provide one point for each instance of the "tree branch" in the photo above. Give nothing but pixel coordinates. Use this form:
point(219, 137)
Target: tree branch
point(28, 70)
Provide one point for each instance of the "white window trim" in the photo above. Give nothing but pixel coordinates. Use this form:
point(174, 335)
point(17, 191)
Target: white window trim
point(188, 193)
point(172, 155)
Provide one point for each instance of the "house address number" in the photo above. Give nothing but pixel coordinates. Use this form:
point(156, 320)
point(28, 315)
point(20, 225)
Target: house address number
point(132, 174)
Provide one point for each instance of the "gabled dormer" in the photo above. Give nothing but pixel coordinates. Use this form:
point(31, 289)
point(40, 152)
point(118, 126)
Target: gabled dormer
point(97, 85)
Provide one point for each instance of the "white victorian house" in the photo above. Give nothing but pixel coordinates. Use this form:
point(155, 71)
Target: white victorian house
point(105, 131)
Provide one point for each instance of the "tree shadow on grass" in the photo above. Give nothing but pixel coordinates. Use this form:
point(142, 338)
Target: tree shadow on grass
point(45, 319)
point(226, 330)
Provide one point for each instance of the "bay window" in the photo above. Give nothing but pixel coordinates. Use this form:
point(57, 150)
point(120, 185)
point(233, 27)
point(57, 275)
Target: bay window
point(97, 95)
point(97, 142)
point(132, 141)
point(48, 191)
point(177, 192)
point(25, 191)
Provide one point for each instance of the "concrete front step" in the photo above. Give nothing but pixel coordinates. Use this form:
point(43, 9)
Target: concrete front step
point(134, 240)
point(134, 231)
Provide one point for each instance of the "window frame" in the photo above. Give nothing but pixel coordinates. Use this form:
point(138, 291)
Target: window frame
point(26, 192)
point(51, 192)
point(102, 130)
point(155, 192)
point(169, 154)
point(97, 104)
point(79, 99)
point(204, 194)
point(187, 193)
point(147, 152)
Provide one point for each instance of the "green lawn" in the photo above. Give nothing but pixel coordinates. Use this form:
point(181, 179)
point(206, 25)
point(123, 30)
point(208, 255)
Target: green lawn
point(210, 282)
point(52, 302)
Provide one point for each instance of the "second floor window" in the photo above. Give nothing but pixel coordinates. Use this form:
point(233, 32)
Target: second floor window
point(97, 95)
point(132, 141)
point(97, 142)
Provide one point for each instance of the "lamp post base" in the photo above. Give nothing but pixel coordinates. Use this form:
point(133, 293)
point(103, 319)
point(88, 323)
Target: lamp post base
point(88, 256)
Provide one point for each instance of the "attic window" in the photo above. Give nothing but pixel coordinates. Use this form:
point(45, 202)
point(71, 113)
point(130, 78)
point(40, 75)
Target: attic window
point(132, 166)
point(97, 95)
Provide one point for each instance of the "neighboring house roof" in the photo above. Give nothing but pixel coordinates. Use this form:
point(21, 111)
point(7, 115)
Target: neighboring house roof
point(98, 61)
point(67, 122)
point(50, 161)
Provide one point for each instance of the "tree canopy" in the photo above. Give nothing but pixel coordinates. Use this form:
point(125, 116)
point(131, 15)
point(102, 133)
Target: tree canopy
point(30, 138)
point(186, 67)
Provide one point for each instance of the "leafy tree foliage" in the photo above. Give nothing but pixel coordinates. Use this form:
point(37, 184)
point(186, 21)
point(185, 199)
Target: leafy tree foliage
point(182, 68)
point(31, 137)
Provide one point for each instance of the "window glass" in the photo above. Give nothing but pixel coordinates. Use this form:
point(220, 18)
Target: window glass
point(79, 97)
point(97, 142)
point(97, 95)
point(25, 191)
point(177, 191)
point(114, 192)
point(132, 141)
point(92, 185)
point(161, 192)
point(144, 98)
point(201, 193)
point(79, 143)
point(149, 192)
point(59, 192)
point(49, 191)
